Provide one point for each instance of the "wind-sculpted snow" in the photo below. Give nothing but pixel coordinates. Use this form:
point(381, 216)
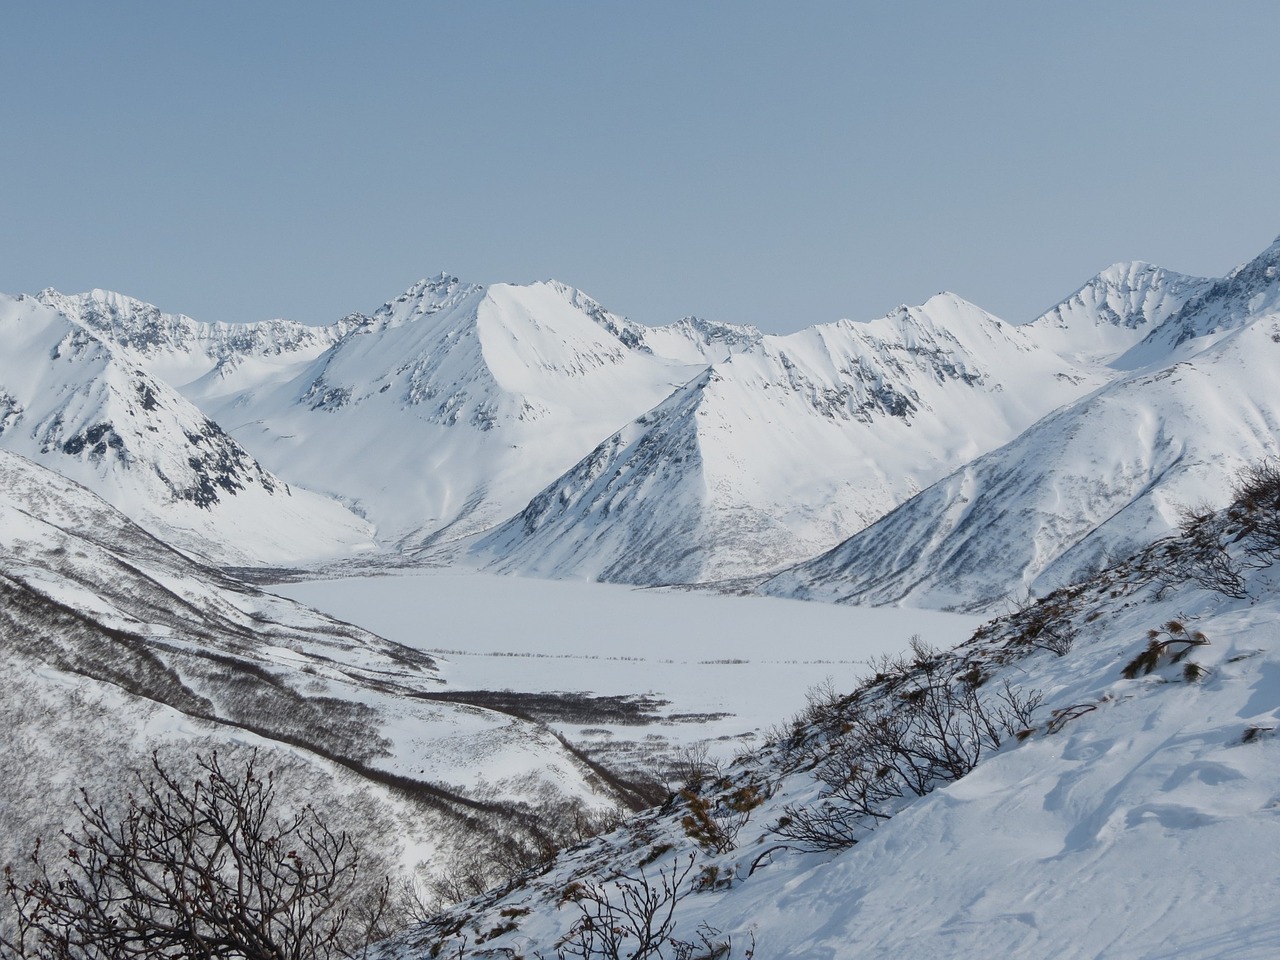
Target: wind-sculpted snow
point(1088, 483)
point(787, 446)
point(88, 409)
point(1122, 804)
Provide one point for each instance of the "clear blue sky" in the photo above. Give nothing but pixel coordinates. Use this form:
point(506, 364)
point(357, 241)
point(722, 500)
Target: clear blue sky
point(772, 163)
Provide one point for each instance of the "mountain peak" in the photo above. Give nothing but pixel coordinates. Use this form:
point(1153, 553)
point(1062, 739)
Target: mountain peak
point(423, 298)
point(1112, 311)
point(1262, 269)
point(1214, 307)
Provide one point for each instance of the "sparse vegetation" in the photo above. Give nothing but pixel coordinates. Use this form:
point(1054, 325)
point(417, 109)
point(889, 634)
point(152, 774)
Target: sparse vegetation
point(1216, 547)
point(714, 822)
point(209, 868)
point(632, 917)
point(929, 726)
point(1172, 642)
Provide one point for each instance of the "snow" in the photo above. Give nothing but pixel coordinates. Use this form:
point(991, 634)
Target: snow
point(84, 407)
point(786, 447)
point(753, 658)
point(1095, 479)
point(527, 429)
point(1114, 311)
point(1141, 828)
point(450, 407)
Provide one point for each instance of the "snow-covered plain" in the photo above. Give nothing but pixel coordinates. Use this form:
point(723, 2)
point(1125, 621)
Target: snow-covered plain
point(738, 665)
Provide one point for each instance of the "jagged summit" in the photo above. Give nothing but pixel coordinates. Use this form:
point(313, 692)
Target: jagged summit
point(1213, 309)
point(203, 359)
point(76, 402)
point(1095, 478)
point(423, 298)
point(1114, 310)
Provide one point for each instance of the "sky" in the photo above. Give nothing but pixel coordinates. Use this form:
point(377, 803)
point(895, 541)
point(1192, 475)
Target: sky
point(780, 164)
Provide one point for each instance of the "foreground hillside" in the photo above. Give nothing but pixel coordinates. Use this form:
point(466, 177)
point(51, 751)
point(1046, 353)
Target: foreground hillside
point(1093, 776)
point(113, 645)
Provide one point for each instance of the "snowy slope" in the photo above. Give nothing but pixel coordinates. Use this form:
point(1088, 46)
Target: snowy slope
point(1089, 482)
point(695, 340)
point(89, 410)
point(1115, 310)
point(449, 407)
point(1251, 290)
point(188, 652)
point(527, 429)
point(788, 446)
point(1129, 814)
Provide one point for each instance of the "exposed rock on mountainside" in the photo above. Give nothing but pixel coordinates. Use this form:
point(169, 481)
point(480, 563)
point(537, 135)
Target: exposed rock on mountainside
point(1091, 481)
point(88, 409)
point(787, 446)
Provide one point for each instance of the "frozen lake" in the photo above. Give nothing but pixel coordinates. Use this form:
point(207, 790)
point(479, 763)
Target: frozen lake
point(728, 667)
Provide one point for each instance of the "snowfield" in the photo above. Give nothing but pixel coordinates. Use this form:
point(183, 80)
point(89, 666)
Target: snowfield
point(728, 667)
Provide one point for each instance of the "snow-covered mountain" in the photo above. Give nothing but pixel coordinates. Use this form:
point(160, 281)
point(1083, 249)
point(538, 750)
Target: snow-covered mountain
point(1251, 290)
point(788, 446)
point(439, 414)
point(223, 357)
point(1114, 311)
point(87, 408)
point(1090, 481)
point(1093, 776)
point(450, 406)
point(527, 429)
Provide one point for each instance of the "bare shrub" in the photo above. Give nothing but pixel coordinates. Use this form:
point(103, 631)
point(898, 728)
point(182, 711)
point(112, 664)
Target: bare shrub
point(934, 729)
point(1172, 641)
point(1256, 506)
point(203, 869)
point(631, 917)
point(693, 766)
point(487, 851)
point(1200, 554)
point(1064, 715)
point(715, 822)
point(1216, 548)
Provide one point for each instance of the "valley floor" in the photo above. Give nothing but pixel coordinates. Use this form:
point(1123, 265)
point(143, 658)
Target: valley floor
point(690, 666)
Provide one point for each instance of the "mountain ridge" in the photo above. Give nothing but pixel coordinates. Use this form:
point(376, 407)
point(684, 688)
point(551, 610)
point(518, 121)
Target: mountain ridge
point(507, 426)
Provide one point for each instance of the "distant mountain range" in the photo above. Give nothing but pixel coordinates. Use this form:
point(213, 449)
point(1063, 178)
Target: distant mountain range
point(936, 456)
point(1098, 764)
